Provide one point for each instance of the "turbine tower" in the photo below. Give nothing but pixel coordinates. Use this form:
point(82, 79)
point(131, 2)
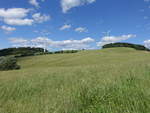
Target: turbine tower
point(107, 33)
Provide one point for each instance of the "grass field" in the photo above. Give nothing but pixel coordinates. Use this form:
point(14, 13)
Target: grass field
point(115, 80)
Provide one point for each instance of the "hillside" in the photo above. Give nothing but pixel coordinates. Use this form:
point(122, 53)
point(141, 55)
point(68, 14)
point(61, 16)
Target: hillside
point(114, 80)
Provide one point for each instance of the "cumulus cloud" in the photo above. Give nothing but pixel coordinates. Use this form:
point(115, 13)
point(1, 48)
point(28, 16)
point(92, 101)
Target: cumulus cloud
point(73, 44)
point(7, 29)
point(34, 3)
point(147, 43)
point(68, 4)
point(66, 26)
point(14, 12)
point(113, 39)
point(45, 43)
point(19, 22)
point(42, 42)
point(81, 29)
point(15, 16)
point(19, 42)
point(40, 18)
point(19, 16)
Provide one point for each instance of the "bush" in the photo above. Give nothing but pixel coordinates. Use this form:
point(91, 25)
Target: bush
point(8, 63)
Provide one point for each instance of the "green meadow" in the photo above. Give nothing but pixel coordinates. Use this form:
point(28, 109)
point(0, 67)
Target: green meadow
point(115, 80)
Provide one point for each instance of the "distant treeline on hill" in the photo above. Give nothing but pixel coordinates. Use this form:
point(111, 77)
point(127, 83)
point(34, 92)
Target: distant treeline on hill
point(8, 57)
point(63, 51)
point(21, 51)
point(135, 46)
point(28, 51)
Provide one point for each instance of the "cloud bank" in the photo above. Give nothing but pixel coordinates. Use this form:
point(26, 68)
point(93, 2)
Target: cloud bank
point(46, 43)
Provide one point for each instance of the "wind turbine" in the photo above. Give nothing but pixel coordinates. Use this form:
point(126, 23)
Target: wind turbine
point(107, 33)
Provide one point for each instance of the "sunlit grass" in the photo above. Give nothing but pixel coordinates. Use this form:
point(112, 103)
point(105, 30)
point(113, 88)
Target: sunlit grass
point(113, 80)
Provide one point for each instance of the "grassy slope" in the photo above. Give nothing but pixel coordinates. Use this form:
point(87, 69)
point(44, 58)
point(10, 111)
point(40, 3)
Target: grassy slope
point(112, 80)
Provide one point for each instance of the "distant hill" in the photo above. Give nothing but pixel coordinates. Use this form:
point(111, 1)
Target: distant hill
point(28, 51)
point(135, 46)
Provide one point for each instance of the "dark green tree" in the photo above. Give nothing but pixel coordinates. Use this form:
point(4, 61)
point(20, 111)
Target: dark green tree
point(8, 63)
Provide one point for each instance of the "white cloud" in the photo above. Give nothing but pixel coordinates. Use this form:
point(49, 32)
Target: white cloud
point(147, 43)
point(19, 22)
point(43, 32)
point(13, 13)
point(81, 29)
point(45, 43)
point(42, 42)
point(34, 3)
point(19, 42)
point(73, 44)
point(7, 29)
point(15, 16)
point(66, 26)
point(68, 4)
point(40, 18)
point(19, 16)
point(146, 0)
point(113, 39)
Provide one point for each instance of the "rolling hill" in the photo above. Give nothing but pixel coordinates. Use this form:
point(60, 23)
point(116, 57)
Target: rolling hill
point(114, 80)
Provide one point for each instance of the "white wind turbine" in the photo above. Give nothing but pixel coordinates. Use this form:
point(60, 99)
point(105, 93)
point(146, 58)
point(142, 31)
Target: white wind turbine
point(41, 42)
point(107, 33)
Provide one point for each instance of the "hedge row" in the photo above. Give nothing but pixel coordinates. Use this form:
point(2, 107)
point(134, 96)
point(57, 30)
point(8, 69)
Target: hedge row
point(28, 51)
point(20, 52)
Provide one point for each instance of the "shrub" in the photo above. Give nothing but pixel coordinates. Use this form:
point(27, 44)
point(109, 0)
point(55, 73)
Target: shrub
point(8, 63)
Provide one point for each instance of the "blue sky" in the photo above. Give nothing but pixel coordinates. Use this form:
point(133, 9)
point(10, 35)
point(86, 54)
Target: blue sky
point(73, 24)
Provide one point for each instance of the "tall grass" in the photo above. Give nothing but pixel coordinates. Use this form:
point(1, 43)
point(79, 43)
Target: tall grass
point(105, 81)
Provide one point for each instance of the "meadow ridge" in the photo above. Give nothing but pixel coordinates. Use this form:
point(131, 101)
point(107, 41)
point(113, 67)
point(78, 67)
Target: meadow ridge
point(114, 80)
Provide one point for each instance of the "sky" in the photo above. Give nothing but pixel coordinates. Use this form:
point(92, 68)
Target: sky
point(73, 24)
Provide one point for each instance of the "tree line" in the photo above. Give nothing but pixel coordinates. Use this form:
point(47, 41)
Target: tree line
point(8, 56)
point(119, 44)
